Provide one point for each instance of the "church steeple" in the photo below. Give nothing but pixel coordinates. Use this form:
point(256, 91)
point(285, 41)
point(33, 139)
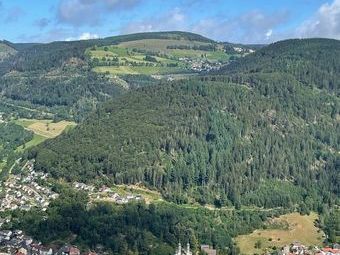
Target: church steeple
point(188, 252)
point(179, 249)
point(182, 251)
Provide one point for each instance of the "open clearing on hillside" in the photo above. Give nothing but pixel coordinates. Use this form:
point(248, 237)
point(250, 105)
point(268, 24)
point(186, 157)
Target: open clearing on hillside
point(148, 195)
point(136, 70)
point(299, 228)
point(37, 139)
point(43, 129)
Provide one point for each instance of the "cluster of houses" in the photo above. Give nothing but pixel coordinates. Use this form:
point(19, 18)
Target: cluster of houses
point(23, 192)
point(83, 187)
point(201, 65)
point(15, 242)
point(106, 194)
point(243, 50)
point(208, 250)
point(297, 248)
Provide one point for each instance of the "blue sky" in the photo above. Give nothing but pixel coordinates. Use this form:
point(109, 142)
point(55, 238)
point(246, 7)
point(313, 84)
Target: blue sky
point(245, 21)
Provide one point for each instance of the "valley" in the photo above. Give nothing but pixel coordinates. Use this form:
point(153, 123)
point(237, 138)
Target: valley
point(132, 144)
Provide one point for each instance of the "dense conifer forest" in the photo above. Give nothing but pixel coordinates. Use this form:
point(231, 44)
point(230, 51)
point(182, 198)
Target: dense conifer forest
point(218, 139)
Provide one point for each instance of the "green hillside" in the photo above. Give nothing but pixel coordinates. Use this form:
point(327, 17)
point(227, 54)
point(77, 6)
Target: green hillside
point(226, 149)
point(60, 78)
point(212, 140)
point(159, 56)
point(12, 136)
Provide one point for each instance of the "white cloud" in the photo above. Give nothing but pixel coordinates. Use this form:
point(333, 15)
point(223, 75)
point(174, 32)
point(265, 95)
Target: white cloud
point(324, 23)
point(254, 26)
point(87, 36)
point(269, 33)
point(251, 27)
point(83, 36)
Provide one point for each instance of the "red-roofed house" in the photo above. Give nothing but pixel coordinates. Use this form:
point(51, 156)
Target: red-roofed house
point(74, 251)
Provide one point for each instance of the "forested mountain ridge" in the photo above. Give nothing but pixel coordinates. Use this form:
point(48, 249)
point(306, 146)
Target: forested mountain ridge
point(216, 139)
point(313, 62)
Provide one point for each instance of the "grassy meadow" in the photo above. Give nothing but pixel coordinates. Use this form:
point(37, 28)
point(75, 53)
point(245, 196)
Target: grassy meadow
point(43, 129)
point(148, 70)
point(159, 44)
point(280, 232)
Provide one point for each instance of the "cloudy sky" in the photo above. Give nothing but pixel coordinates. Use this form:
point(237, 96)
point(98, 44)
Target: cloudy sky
point(245, 21)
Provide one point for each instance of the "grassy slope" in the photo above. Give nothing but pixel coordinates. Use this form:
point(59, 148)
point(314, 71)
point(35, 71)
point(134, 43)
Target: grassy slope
point(146, 70)
point(159, 44)
point(301, 228)
point(37, 139)
point(43, 130)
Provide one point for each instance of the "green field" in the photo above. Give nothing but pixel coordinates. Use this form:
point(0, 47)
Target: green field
point(43, 130)
point(159, 44)
point(37, 139)
point(299, 228)
point(148, 195)
point(210, 55)
point(137, 70)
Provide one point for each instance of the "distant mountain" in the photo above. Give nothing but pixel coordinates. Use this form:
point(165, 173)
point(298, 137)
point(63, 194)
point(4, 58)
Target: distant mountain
point(51, 55)
point(263, 131)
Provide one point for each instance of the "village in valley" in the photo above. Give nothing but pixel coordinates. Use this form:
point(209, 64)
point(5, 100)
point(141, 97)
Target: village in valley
point(31, 189)
point(23, 191)
point(297, 248)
